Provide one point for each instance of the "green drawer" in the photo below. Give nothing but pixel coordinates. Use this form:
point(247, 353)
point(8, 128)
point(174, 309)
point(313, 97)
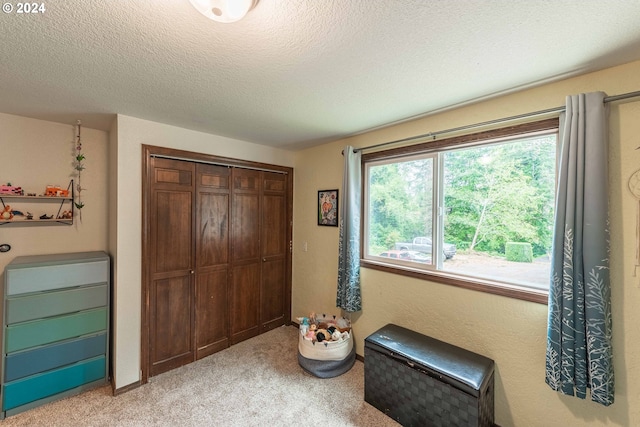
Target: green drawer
point(48, 304)
point(39, 332)
point(47, 384)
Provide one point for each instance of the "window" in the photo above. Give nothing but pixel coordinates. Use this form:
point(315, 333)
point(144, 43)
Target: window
point(473, 211)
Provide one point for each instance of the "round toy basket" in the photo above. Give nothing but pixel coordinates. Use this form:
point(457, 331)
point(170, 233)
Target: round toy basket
point(326, 358)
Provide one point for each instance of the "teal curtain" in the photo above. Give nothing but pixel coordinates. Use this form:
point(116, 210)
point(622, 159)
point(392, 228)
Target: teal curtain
point(579, 354)
point(348, 297)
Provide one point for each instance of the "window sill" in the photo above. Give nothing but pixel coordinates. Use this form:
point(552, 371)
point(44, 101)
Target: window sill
point(475, 284)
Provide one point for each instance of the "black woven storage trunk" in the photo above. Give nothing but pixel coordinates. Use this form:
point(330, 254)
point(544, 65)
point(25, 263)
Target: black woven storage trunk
point(420, 381)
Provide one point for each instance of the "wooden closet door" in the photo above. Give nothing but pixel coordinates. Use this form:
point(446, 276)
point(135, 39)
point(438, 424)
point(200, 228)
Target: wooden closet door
point(171, 293)
point(274, 247)
point(245, 254)
point(212, 258)
point(216, 248)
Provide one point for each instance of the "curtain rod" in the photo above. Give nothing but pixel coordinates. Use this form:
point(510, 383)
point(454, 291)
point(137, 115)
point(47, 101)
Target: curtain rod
point(495, 121)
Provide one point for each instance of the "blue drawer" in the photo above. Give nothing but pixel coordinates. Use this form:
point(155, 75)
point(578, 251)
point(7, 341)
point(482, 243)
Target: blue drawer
point(39, 386)
point(41, 359)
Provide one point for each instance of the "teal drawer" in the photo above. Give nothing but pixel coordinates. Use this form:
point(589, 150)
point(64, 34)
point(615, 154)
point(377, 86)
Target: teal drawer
point(39, 386)
point(45, 278)
point(47, 304)
point(25, 335)
point(40, 359)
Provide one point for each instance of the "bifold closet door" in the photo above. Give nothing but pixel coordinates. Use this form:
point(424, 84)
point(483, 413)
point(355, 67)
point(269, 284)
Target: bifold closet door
point(218, 258)
point(274, 247)
point(171, 292)
point(245, 254)
point(212, 258)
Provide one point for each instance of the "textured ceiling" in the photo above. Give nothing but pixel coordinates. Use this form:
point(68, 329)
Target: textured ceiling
point(295, 73)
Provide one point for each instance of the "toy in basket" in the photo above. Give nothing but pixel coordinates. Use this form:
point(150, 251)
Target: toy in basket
point(325, 345)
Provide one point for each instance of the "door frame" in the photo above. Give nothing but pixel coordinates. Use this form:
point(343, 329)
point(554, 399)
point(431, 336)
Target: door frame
point(150, 151)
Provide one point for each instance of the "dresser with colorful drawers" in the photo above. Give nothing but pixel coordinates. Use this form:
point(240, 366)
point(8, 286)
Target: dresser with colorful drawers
point(55, 328)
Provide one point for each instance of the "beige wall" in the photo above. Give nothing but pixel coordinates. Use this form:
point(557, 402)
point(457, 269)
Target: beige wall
point(510, 331)
point(34, 153)
point(132, 133)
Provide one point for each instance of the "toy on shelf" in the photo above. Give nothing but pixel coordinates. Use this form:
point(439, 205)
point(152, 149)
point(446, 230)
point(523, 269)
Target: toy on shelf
point(66, 215)
point(11, 190)
point(7, 213)
point(56, 191)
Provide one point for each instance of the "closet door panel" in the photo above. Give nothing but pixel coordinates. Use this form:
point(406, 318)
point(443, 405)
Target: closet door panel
point(245, 300)
point(273, 294)
point(245, 214)
point(211, 312)
point(274, 234)
point(213, 199)
point(213, 233)
point(245, 255)
point(274, 251)
point(171, 324)
point(172, 228)
point(246, 227)
point(171, 286)
point(212, 259)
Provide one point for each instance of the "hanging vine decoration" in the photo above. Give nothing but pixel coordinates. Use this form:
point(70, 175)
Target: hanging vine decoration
point(79, 167)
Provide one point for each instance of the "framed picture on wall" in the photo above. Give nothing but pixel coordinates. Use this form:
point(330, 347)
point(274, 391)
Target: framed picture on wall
point(328, 208)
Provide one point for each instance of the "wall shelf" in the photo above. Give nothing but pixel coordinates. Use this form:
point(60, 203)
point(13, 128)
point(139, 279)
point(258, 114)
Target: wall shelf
point(8, 199)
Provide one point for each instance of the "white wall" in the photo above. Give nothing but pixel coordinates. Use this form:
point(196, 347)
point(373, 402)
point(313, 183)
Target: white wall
point(132, 133)
point(512, 332)
point(34, 153)
point(112, 194)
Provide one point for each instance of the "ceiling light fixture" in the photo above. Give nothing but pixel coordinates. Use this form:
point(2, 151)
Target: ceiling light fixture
point(224, 10)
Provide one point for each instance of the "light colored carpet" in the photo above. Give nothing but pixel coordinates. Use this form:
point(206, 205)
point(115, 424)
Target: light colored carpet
point(257, 382)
